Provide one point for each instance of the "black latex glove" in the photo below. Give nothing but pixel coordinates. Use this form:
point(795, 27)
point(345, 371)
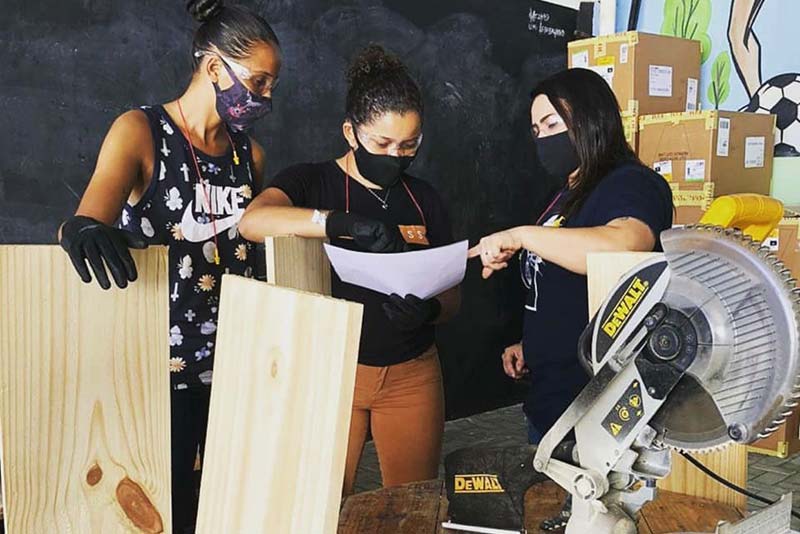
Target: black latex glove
point(411, 313)
point(369, 234)
point(85, 239)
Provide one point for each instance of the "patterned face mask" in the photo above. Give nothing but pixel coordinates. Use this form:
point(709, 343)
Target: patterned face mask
point(239, 107)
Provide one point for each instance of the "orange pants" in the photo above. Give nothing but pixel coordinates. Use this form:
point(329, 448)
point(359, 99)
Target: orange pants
point(403, 406)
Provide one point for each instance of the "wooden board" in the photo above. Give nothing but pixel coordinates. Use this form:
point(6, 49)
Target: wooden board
point(670, 512)
point(411, 509)
point(298, 263)
point(784, 442)
point(84, 397)
point(604, 271)
point(730, 463)
point(280, 410)
point(421, 507)
point(673, 512)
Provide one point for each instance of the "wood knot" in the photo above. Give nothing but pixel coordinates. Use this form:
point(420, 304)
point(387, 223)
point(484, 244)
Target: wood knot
point(138, 508)
point(94, 475)
point(274, 370)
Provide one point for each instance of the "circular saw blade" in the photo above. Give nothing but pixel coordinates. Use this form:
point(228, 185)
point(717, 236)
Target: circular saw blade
point(744, 306)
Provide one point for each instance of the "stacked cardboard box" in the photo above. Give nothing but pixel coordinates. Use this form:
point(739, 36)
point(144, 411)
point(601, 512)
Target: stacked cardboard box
point(785, 244)
point(648, 73)
point(708, 154)
point(702, 154)
point(630, 121)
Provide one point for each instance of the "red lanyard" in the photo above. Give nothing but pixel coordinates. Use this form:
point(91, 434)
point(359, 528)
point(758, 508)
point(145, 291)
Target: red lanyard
point(405, 185)
point(549, 207)
point(187, 135)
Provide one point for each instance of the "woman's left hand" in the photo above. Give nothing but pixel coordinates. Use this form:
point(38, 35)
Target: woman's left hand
point(495, 250)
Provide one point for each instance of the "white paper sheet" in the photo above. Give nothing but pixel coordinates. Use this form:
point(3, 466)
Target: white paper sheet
point(424, 273)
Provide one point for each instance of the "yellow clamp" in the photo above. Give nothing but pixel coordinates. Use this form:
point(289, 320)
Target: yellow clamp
point(756, 215)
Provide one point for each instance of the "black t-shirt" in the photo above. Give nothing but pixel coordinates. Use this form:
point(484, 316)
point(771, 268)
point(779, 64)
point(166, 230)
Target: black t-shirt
point(556, 310)
point(323, 186)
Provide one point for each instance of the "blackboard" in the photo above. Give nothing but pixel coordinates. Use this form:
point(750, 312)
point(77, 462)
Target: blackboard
point(71, 66)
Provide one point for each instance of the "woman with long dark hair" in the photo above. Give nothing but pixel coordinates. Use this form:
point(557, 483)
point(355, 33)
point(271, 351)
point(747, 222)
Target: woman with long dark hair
point(360, 200)
point(607, 202)
point(181, 174)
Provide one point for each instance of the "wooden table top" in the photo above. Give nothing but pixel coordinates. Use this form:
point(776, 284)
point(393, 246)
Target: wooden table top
point(421, 508)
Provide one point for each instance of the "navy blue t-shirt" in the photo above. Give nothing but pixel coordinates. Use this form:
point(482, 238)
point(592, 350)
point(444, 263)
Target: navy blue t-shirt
point(556, 309)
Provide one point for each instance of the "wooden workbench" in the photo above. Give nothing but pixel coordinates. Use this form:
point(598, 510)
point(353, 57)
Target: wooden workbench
point(421, 508)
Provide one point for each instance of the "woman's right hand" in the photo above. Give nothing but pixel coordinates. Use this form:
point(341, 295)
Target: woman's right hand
point(369, 234)
point(514, 361)
point(85, 239)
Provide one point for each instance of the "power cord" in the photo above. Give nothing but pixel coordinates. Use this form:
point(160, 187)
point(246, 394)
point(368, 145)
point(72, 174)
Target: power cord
point(729, 484)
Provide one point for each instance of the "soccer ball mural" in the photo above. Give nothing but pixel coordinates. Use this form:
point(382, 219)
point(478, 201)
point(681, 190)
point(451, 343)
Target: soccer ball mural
point(781, 97)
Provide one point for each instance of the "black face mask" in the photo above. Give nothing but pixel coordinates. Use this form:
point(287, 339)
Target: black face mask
point(380, 169)
point(557, 155)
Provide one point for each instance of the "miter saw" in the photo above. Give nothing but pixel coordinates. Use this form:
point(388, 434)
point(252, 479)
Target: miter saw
point(693, 350)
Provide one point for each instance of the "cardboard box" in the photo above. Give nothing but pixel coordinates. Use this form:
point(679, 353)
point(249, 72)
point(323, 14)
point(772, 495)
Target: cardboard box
point(785, 241)
point(785, 441)
point(732, 150)
point(690, 201)
point(630, 122)
point(648, 73)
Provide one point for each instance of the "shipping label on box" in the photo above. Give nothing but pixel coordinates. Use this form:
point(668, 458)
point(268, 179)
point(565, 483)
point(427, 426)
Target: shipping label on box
point(664, 168)
point(691, 94)
point(660, 83)
point(607, 73)
point(754, 150)
point(772, 242)
point(580, 60)
point(623, 53)
point(695, 170)
point(723, 137)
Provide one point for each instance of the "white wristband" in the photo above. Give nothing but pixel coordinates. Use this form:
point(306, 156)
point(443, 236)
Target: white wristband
point(319, 218)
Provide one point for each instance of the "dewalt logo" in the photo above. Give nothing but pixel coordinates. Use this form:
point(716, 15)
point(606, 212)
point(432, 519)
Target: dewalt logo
point(478, 484)
point(625, 307)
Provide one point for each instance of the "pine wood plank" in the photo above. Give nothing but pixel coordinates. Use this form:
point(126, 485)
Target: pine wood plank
point(298, 263)
point(673, 512)
point(84, 397)
point(280, 410)
point(542, 501)
point(421, 507)
point(411, 509)
point(603, 272)
point(730, 463)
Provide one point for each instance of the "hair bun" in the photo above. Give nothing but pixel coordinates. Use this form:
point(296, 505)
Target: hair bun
point(204, 10)
point(374, 61)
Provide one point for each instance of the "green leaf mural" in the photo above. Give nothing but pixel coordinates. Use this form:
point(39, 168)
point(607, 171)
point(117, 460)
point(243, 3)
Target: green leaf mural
point(689, 19)
point(720, 86)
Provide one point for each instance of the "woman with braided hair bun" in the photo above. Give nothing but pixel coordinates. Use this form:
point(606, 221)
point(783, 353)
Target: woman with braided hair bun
point(365, 200)
point(181, 174)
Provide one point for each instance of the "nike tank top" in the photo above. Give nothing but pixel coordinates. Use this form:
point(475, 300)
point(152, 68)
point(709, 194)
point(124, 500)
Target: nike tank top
point(174, 211)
